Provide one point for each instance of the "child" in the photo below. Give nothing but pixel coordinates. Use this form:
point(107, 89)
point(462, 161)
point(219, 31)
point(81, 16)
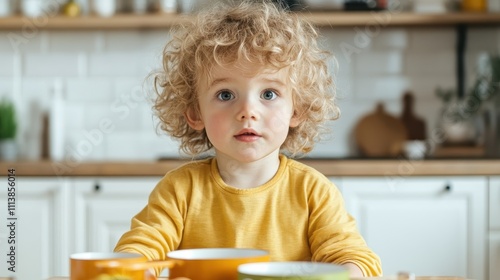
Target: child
point(249, 83)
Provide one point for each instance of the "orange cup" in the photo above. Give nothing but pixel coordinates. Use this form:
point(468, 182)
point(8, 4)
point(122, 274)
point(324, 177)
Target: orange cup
point(194, 264)
point(84, 266)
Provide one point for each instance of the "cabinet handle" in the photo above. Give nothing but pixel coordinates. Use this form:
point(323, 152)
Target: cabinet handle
point(97, 188)
point(447, 188)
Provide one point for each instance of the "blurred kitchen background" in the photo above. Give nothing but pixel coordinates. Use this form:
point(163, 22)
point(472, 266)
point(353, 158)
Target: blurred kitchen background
point(91, 85)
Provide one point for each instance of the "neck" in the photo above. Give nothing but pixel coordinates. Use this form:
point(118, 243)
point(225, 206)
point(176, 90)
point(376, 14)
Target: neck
point(246, 175)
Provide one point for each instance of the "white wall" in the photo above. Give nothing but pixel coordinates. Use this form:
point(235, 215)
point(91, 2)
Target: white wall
point(103, 73)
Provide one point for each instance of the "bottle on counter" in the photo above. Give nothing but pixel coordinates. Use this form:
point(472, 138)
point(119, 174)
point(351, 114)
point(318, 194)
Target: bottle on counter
point(56, 122)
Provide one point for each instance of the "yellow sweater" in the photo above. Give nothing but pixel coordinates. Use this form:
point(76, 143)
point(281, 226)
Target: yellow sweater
point(298, 215)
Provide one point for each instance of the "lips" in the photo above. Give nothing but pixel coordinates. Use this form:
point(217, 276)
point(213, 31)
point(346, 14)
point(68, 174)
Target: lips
point(247, 135)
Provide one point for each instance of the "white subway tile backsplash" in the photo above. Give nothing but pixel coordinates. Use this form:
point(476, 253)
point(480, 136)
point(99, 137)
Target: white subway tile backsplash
point(155, 146)
point(142, 145)
point(97, 113)
point(424, 87)
point(343, 85)
point(89, 89)
point(6, 87)
point(6, 65)
point(437, 62)
point(75, 115)
point(132, 121)
point(151, 41)
point(339, 65)
point(391, 38)
point(51, 65)
point(136, 88)
point(331, 38)
point(82, 144)
point(121, 63)
point(480, 39)
point(429, 39)
point(378, 63)
point(380, 87)
point(37, 89)
point(108, 111)
point(346, 43)
point(73, 41)
point(24, 40)
point(112, 64)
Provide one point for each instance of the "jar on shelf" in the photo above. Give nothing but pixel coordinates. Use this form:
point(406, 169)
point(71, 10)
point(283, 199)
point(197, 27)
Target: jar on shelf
point(140, 6)
point(168, 6)
point(6, 8)
point(474, 5)
point(494, 6)
point(104, 8)
point(33, 8)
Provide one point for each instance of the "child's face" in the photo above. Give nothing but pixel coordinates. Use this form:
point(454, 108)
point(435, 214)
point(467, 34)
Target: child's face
point(246, 113)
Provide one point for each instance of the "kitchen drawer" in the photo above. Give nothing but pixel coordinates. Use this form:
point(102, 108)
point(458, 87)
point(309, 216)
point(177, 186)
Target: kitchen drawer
point(495, 203)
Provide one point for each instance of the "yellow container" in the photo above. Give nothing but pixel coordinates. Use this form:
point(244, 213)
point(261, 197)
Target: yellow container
point(474, 5)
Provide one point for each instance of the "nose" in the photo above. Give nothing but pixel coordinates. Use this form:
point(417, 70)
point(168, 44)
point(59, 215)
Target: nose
point(247, 110)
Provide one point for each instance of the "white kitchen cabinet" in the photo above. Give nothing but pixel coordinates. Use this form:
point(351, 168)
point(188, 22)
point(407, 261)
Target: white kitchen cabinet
point(494, 256)
point(494, 203)
point(494, 248)
point(103, 209)
point(40, 228)
point(425, 225)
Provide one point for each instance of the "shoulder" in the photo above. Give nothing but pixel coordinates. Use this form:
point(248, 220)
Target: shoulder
point(299, 169)
point(184, 176)
point(315, 184)
point(192, 167)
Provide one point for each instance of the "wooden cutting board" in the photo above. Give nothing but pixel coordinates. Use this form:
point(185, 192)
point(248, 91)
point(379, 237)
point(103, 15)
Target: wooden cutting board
point(380, 134)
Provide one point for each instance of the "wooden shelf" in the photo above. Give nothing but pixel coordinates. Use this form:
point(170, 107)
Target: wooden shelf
point(320, 19)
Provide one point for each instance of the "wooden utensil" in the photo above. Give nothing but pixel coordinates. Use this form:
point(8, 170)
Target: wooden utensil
point(415, 126)
point(379, 134)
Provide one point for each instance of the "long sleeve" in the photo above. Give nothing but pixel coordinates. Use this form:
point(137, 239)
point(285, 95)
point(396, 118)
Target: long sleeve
point(333, 234)
point(157, 229)
point(297, 216)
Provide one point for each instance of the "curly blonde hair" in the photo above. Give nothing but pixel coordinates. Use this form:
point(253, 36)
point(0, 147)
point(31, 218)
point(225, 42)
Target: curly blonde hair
point(256, 32)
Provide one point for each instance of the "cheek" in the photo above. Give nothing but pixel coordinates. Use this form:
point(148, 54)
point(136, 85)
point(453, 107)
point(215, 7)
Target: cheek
point(279, 120)
point(215, 122)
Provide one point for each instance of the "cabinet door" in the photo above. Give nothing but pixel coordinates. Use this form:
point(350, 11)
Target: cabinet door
point(494, 203)
point(494, 256)
point(494, 228)
point(104, 208)
point(428, 226)
point(37, 221)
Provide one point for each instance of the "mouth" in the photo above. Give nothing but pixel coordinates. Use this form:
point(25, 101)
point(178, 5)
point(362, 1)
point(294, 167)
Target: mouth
point(247, 135)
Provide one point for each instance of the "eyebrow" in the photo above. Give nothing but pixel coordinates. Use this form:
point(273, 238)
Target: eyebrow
point(275, 81)
point(222, 80)
point(217, 81)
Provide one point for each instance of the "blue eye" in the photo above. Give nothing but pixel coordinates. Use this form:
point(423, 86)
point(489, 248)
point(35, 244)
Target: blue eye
point(225, 95)
point(269, 94)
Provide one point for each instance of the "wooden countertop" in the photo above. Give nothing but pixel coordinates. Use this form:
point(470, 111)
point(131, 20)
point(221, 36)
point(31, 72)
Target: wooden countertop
point(329, 167)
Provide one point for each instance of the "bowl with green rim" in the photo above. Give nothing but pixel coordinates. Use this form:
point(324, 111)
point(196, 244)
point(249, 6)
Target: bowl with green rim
point(292, 271)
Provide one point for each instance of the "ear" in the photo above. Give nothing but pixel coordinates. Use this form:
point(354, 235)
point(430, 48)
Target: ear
point(193, 119)
point(295, 120)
